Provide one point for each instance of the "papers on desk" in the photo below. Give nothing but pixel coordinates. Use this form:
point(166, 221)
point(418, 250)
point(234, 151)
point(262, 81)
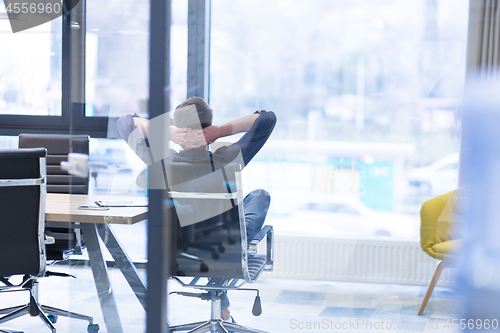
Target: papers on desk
point(135, 203)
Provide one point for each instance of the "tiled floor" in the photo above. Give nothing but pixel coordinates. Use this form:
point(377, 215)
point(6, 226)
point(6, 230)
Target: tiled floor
point(288, 305)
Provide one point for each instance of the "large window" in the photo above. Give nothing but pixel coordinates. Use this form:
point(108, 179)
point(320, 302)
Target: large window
point(42, 77)
point(30, 70)
point(116, 55)
point(366, 94)
point(117, 50)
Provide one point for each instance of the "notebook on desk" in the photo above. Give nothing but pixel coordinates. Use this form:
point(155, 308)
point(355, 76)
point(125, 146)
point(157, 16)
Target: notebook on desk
point(122, 203)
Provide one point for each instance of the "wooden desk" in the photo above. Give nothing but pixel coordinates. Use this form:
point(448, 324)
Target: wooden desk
point(64, 208)
point(94, 224)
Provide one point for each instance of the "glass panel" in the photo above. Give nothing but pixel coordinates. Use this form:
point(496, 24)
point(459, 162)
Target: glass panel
point(116, 58)
point(117, 168)
point(366, 94)
point(30, 70)
point(178, 52)
point(116, 83)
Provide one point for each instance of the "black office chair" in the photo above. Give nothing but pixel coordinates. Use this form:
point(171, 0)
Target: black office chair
point(68, 239)
point(196, 200)
point(139, 143)
point(22, 238)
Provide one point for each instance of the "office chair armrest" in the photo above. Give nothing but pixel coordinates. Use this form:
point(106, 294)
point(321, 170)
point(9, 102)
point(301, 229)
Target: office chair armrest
point(266, 230)
point(49, 240)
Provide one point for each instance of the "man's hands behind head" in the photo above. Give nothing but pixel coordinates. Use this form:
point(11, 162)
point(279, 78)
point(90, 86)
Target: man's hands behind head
point(211, 133)
point(190, 139)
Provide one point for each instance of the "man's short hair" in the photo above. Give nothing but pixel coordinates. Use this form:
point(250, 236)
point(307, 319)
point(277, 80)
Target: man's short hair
point(184, 115)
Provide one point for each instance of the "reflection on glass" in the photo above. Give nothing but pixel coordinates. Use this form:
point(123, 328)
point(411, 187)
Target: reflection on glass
point(119, 170)
point(117, 53)
point(117, 57)
point(30, 69)
point(365, 92)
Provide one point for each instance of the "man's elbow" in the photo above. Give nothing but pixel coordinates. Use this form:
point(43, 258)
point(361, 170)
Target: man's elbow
point(272, 118)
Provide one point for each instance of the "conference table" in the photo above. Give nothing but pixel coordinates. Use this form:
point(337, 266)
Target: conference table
point(94, 225)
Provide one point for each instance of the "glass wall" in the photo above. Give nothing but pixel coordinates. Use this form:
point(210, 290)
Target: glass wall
point(88, 69)
point(366, 94)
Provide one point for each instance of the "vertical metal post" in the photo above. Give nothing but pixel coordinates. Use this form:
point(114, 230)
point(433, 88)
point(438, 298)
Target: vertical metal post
point(159, 224)
point(66, 66)
point(73, 61)
point(198, 49)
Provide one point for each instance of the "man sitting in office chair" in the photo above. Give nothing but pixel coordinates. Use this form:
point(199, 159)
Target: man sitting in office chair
point(193, 131)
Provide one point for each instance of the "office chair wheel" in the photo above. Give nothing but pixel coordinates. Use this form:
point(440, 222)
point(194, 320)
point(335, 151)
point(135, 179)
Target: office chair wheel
point(221, 249)
point(203, 268)
point(53, 318)
point(215, 254)
point(93, 328)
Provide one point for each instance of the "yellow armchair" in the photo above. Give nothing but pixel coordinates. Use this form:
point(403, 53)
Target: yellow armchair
point(438, 236)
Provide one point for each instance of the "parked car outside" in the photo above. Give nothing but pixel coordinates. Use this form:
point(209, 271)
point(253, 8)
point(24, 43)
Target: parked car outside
point(438, 178)
point(333, 215)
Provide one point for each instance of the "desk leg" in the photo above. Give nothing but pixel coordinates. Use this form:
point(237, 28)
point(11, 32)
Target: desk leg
point(101, 279)
point(123, 262)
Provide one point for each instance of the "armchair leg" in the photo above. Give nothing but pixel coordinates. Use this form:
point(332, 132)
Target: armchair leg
point(439, 268)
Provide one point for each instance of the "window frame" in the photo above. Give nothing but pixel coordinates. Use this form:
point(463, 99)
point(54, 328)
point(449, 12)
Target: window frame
point(72, 119)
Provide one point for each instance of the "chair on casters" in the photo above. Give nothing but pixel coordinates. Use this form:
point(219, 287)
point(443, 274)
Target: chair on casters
point(68, 239)
point(207, 196)
point(22, 240)
point(438, 238)
point(186, 236)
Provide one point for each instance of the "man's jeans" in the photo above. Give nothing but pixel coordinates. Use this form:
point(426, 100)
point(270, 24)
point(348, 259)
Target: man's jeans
point(256, 205)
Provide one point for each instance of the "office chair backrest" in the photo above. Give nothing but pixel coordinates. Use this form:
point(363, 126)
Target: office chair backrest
point(216, 192)
point(67, 239)
point(58, 147)
point(22, 207)
point(194, 178)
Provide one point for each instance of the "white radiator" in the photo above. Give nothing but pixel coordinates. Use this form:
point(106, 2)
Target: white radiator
point(355, 260)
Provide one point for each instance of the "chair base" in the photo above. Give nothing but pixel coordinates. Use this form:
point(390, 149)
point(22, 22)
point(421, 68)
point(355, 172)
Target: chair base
point(214, 326)
point(214, 295)
point(33, 308)
point(27, 309)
